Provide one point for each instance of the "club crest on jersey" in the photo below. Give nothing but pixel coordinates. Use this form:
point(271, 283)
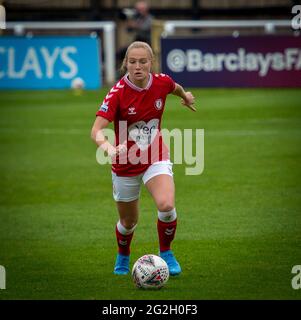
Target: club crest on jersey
point(158, 104)
point(104, 107)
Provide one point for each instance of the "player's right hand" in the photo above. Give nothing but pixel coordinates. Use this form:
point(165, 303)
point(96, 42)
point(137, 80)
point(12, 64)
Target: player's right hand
point(115, 151)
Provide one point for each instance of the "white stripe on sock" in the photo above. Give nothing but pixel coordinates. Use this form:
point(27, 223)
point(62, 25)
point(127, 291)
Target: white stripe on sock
point(124, 231)
point(168, 216)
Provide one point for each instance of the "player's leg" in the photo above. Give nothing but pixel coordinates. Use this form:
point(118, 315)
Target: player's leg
point(128, 218)
point(160, 184)
point(161, 187)
point(126, 193)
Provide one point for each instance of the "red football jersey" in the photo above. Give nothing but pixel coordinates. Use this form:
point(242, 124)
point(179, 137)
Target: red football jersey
point(137, 114)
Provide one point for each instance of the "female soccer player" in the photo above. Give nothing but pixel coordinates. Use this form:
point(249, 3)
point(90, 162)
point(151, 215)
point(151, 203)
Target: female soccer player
point(136, 104)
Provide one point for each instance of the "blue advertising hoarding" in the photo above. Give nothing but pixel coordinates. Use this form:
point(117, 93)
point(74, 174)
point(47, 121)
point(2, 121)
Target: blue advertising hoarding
point(49, 62)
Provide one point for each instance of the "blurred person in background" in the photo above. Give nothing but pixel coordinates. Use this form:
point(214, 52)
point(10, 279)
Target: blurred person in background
point(138, 23)
point(141, 23)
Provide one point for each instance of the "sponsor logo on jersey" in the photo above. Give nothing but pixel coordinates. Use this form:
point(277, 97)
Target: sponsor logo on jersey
point(104, 107)
point(158, 104)
point(143, 133)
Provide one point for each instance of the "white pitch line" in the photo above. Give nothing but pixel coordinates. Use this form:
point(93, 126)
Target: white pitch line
point(46, 131)
point(207, 132)
point(236, 133)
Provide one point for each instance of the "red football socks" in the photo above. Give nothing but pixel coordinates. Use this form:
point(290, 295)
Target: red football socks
point(166, 232)
point(124, 242)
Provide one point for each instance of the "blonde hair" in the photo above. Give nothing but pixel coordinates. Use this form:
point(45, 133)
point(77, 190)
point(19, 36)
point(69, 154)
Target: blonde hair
point(136, 45)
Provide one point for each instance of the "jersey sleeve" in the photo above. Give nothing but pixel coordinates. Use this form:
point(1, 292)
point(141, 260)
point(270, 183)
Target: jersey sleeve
point(109, 106)
point(169, 82)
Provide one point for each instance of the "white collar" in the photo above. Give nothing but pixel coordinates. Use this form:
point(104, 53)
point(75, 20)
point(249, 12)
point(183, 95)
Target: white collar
point(133, 86)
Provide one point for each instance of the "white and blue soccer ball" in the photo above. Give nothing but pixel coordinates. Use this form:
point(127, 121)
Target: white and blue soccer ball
point(77, 83)
point(150, 272)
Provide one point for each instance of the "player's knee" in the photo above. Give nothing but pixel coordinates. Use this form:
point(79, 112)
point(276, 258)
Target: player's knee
point(128, 224)
point(165, 205)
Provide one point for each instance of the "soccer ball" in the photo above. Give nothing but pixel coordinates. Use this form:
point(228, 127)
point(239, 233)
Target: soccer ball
point(77, 83)
point(150, 272)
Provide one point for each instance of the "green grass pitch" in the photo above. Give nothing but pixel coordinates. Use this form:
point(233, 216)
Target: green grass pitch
point(239, 231)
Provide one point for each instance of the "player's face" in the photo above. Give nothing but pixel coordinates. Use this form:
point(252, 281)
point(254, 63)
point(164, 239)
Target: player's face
point(139, 66)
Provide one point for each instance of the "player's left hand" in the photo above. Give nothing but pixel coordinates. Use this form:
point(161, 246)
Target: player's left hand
point(189, 101)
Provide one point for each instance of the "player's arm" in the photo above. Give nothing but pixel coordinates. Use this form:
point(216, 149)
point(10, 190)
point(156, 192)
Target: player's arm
point(99, 138)
point(187, 97)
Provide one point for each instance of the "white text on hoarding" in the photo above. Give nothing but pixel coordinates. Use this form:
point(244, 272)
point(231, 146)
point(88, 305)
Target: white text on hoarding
point(194, 60)
point(39, 61)
point(296, 21)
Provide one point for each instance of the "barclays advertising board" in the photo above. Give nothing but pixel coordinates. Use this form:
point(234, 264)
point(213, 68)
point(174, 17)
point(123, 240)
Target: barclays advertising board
point(49, 62)
point(246, 61)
